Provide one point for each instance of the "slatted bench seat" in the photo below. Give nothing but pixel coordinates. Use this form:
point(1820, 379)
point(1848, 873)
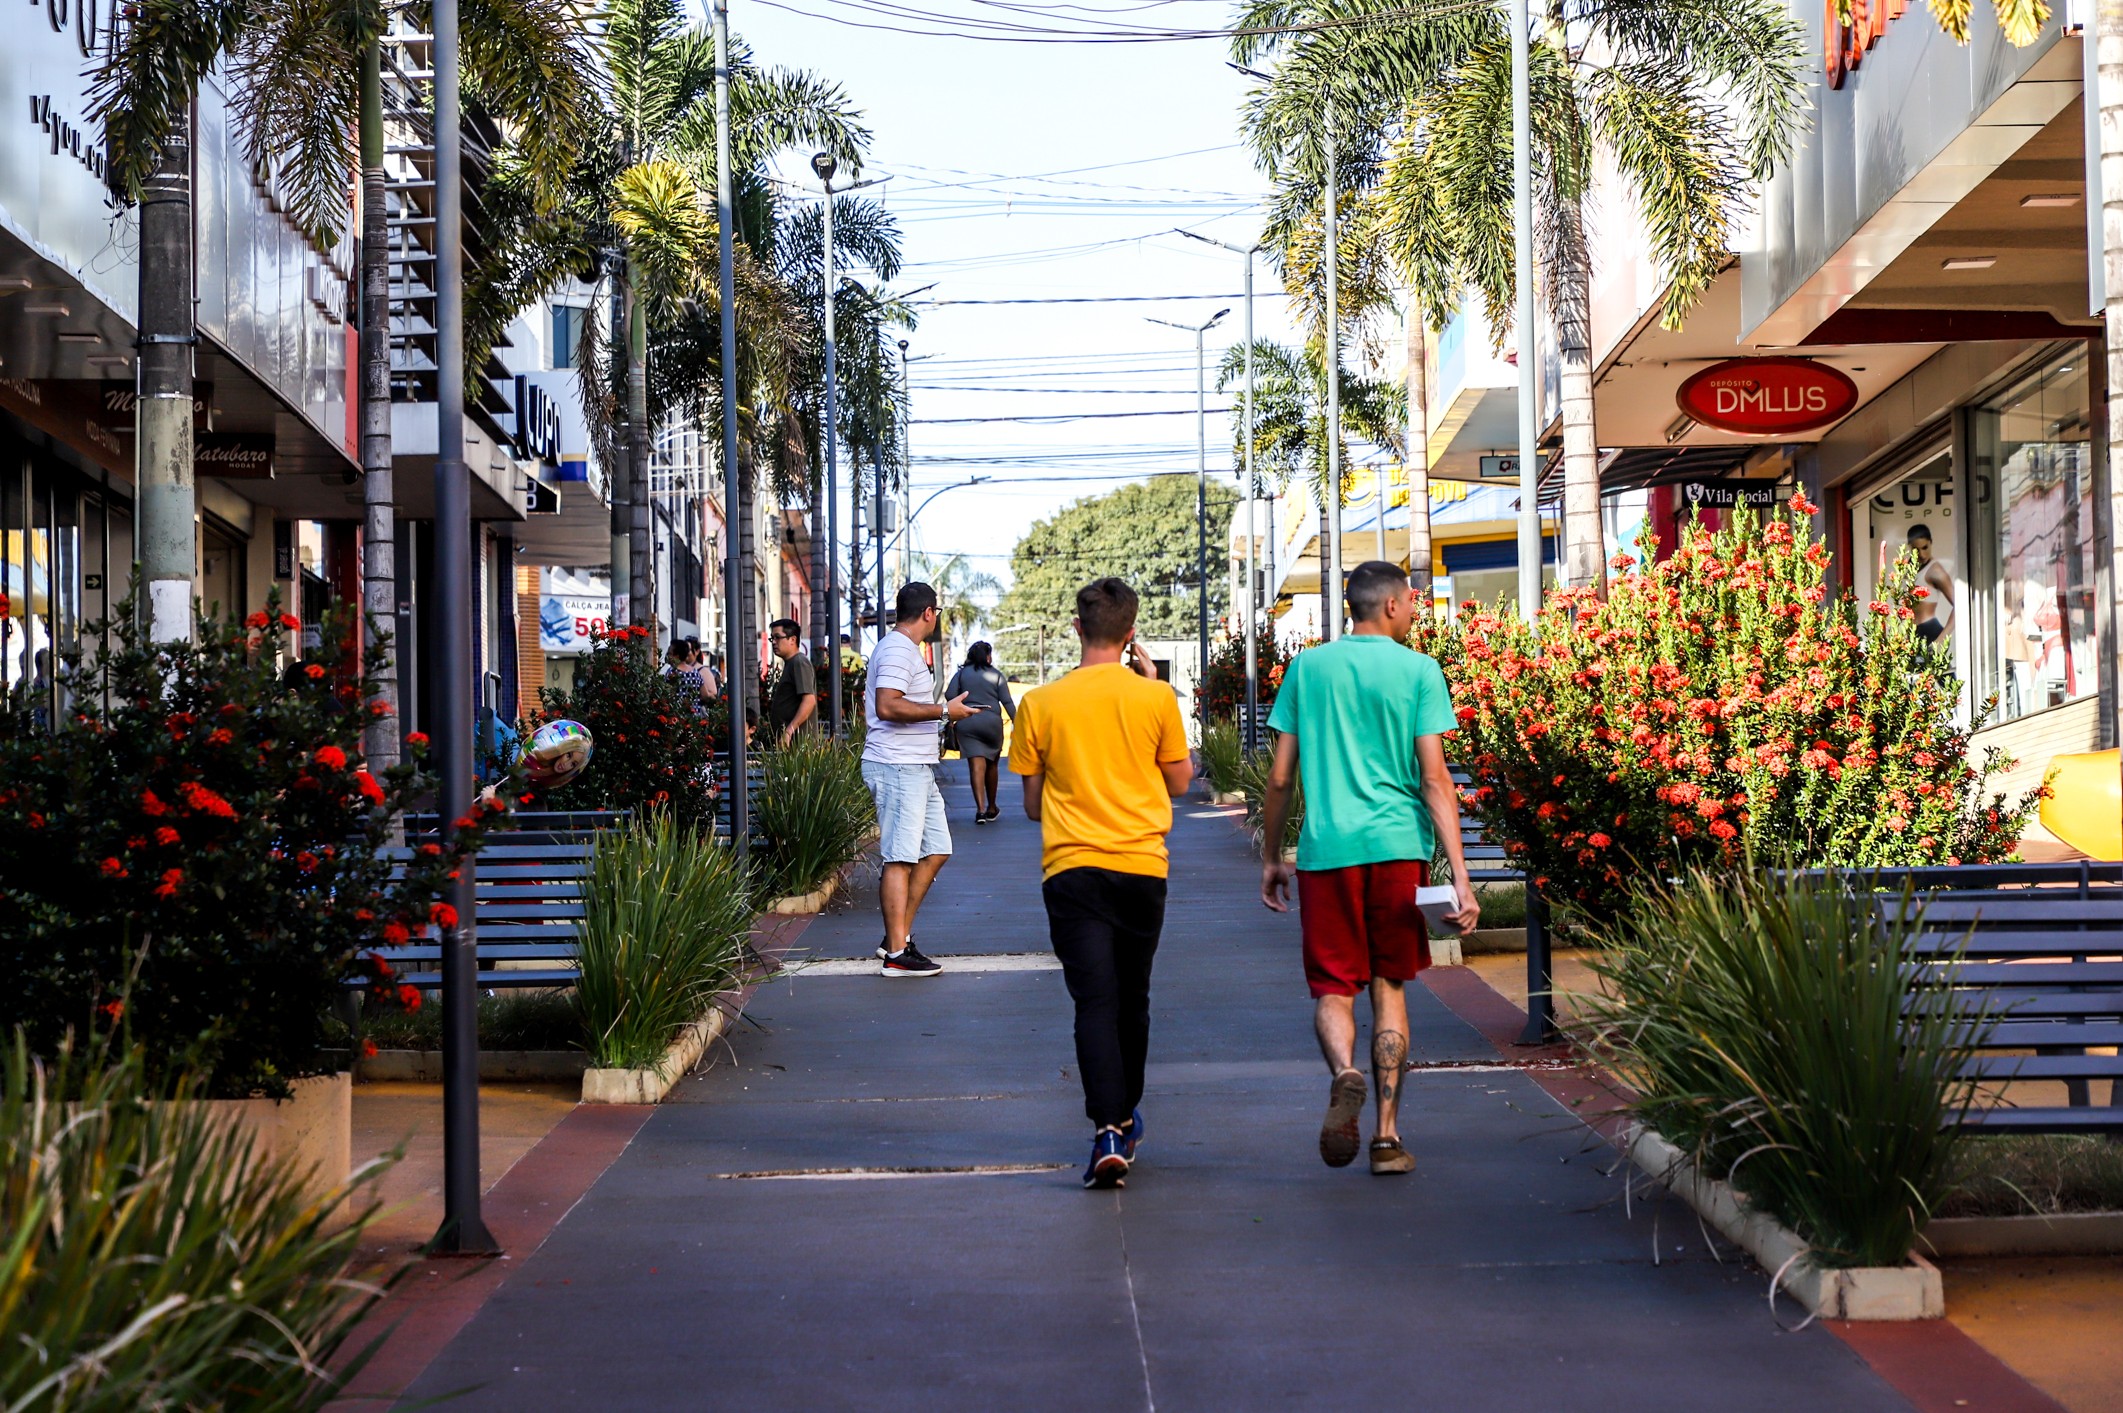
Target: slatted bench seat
point(528, 912)
point(2043, 959)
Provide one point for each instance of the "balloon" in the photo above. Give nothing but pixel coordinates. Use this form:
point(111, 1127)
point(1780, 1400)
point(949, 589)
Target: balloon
point(557, 753)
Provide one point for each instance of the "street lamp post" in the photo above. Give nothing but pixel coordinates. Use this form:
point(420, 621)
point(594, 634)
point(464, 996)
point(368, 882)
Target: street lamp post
point(463, 1231)
point(1201, 498)
point(1253, 681)
point(1331, 501)
point(825, 165)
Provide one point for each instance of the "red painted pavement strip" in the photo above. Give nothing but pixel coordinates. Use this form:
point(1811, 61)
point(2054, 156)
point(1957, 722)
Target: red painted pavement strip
point(1932, 1363)
point(521, 1210)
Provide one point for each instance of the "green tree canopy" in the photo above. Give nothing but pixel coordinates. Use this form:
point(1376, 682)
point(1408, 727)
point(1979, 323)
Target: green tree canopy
point(1144, 533)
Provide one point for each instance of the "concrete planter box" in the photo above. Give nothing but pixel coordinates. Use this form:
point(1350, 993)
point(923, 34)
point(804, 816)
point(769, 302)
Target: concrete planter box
point(425, 1066)
point(313, 1129)
point(604, 1086)
point(1911, 1292)
point(1227, 797)
point(1487, 941)
point(806, 902)
point(2063, 1234)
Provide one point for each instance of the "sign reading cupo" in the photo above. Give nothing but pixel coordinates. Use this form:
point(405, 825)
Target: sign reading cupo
point(1768, 396)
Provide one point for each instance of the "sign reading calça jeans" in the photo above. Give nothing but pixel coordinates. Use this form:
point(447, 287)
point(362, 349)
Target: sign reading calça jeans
point(1729, 495)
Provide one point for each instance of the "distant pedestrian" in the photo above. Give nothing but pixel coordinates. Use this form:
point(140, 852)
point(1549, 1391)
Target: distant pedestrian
point(1366, 717)
point(710, 678)
point(1103, 752)
point(899, 759)
point(683, 666)
point(980, 737)
point(795, 698)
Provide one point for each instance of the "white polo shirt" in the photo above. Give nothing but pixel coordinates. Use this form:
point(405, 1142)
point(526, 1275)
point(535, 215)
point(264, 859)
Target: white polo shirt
point(897, 663)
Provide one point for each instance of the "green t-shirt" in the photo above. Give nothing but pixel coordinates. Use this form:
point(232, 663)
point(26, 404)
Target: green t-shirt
point(1357, 706)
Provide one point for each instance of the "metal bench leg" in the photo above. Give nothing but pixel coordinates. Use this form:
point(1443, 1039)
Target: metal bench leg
point(1540, 973)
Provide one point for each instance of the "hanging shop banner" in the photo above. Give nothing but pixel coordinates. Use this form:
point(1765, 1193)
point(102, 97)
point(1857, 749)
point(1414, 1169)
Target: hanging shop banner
point(1768, 396)
point(1729, 495)
point(571, 609)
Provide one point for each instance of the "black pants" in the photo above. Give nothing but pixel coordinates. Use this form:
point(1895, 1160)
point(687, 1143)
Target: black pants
point(1104, 926)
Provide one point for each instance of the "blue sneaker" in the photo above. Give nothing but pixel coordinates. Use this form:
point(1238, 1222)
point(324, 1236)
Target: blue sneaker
point(1109, 1160)
point(1132, 1135)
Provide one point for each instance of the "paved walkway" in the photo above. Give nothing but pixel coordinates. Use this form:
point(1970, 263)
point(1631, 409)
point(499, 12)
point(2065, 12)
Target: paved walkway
point(730, 1259)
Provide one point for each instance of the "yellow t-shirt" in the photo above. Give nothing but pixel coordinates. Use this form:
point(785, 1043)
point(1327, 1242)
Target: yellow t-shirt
point(1098, 736)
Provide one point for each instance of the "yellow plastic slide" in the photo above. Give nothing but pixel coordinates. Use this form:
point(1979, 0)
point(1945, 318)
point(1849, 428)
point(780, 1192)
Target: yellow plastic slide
point(2085, 805)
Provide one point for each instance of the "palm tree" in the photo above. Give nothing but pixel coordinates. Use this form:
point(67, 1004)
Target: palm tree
point(1691, 102)
point(963, 595)
point(1289, 429)
point(309, 100)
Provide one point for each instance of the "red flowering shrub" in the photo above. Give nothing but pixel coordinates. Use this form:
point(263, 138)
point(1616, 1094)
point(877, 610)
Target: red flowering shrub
point(199, 836)
point(1222, 689)
point(653, 746)
point(1719, 705)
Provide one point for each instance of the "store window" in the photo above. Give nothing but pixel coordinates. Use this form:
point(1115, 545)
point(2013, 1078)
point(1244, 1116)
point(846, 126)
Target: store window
point(2033, 541)
point(1914, 518)
point(567, 334)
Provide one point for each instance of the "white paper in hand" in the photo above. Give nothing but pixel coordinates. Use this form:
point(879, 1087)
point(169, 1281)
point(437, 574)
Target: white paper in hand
point(1437, 904)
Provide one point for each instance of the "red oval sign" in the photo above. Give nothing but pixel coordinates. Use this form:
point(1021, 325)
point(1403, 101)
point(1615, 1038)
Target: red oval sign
point(1768, 396)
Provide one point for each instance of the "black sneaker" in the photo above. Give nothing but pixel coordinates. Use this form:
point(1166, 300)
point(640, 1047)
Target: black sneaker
point(910, 963)
point(884, 946)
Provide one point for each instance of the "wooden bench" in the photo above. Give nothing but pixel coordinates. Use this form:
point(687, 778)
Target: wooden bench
point(2043, 961)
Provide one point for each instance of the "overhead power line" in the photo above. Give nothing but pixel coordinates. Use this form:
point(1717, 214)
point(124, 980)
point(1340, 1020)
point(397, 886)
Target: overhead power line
point(1063, 416)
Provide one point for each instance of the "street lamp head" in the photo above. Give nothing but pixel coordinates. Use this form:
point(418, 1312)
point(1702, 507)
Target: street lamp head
point(902, 345)
point(825, 164)
point(1217, 319)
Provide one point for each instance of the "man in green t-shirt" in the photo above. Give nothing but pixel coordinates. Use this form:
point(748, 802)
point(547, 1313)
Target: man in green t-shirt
point(1366, 716)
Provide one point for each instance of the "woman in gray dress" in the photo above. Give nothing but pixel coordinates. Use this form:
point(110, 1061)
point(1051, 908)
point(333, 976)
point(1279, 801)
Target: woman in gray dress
point(980, 736)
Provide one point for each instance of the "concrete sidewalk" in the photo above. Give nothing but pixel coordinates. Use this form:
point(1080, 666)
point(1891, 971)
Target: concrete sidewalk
point(781, 1237)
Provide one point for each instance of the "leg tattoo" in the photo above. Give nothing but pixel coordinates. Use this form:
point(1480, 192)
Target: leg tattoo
point(1389, 1051)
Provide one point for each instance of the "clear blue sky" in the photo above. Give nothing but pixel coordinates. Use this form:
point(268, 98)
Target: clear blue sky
point(1042, 171)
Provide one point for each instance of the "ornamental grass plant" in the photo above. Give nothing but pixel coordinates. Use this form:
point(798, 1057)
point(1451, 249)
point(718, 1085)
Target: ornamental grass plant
point(1719, 701)
point(1223, 756)
point(666, 913)
point(149, 1256)
point(1253, 780)
point(1772, 1028)
point(813, 811)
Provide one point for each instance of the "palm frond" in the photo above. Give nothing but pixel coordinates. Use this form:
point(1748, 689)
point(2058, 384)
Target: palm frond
point(143, 85)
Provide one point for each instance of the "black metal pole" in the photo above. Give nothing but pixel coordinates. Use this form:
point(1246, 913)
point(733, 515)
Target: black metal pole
point(463, 1231)
point(1201, 522)
point(831, 526)
point(1540, 973)
point(735, 570)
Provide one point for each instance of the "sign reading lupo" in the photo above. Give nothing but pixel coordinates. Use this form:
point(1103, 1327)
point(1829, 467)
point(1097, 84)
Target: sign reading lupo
point(1768, 396)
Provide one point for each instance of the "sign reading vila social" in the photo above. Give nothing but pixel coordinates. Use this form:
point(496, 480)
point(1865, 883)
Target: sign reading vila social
point(1768, 396)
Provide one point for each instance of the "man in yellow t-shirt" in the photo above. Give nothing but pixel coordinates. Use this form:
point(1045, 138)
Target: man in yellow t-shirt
point(1103, 753)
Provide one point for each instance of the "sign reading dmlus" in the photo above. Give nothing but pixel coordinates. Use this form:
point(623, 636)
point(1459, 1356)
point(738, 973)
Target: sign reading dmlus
point(1768, 396)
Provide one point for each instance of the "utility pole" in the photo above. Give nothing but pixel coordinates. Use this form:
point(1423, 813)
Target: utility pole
point(1201, 497)
point(463, 1232)
point(162, 413)
point(736, 572)
point(1253, 681)
point(906, 484)
point(1540, 984)
point(1331, 501)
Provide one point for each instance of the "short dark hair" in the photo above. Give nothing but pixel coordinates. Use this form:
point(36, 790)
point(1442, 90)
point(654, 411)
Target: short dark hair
point(787, 625)
point(1919, 531)
point(980, 655)
point(1370, 585)
point(1105, 611)
point(915, 599)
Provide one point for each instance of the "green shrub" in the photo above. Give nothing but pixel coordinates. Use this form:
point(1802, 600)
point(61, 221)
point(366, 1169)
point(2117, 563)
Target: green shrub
point(665, 917)
point(512, 1020)
point(814, 812)
point(1771, 1028)
point(1223, 756)
point(2013, 1175)
point(1503, 904)
point(149, 1258)
point(654, 745)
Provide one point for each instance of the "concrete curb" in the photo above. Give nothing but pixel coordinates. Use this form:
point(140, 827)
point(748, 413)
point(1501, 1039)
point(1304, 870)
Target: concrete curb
point(1488, 941)
point(798, 904)
point(425, 1066)
point(1227, 797)
point(1911, 1292)
point(611, 1086)
point(2059, 1234)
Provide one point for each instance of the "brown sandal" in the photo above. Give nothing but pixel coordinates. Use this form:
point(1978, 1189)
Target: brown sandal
point(1388, 1158)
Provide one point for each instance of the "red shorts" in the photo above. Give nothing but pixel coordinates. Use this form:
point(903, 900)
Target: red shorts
point(1361, 922)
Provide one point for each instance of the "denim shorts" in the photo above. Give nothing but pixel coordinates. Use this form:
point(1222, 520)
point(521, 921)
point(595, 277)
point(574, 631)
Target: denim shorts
point(910, 811)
